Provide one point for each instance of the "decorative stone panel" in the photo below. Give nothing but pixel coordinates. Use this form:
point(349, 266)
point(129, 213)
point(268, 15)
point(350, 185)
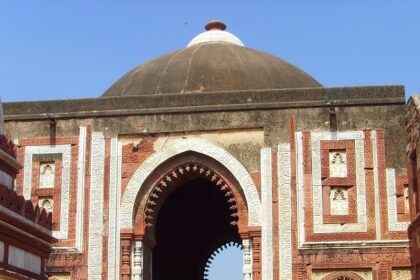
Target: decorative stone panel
point(64, 203)
point(69, 157)
point(338, 173)
point(352, 152)
point(401, 274)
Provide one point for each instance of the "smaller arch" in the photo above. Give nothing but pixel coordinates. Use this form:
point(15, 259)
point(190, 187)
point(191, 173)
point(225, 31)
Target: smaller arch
point(343, 275)
point(217, 251)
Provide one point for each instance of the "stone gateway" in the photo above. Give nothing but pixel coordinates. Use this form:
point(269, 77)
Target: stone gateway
point(219, 144)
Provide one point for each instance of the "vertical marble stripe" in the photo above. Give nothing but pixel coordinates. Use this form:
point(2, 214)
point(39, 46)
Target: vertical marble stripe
point(285, 212)
point(81, 173)
point(114, 198)
point(299, 187)
point(376, 185)
point(267, 216)
point(96, 207)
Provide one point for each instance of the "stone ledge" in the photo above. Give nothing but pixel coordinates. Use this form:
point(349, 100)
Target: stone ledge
point(205, 102)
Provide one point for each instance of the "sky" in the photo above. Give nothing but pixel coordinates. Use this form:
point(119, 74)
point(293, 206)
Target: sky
point(77, 49)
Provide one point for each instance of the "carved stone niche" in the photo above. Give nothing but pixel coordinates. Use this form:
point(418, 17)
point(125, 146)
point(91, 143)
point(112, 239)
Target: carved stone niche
point(46, 174)
point(47, 203)
point(339, 201)
point(338, 163)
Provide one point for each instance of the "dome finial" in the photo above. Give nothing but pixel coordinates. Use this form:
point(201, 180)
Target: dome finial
point(215, 33)
point(215, 25)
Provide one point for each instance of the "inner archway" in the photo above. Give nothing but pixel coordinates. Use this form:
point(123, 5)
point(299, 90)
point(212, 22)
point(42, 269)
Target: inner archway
point(194, 220)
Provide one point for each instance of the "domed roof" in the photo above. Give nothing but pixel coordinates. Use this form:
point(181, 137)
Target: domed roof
point(214, 60)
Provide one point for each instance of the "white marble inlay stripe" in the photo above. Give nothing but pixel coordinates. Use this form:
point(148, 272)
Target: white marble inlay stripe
point(96, 206)
point(65, 150)
point(393, 224)
point(81, 172)
point(376, 185)
point(299, 186)
point(114, 201)
point(285, 212)
point(267, 214)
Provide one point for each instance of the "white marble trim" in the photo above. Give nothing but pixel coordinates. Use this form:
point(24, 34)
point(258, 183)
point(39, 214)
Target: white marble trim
point(285, 212)
point(299, 189)
point(376, 185)
point(267, 214)
point(96, 206)
point(114, 201)
point(81, 172)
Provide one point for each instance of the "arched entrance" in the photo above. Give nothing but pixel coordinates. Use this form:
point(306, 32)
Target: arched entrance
point(193, 221)
point(185, 209)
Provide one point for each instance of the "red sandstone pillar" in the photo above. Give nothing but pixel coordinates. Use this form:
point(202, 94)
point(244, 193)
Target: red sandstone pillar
point(126, 240)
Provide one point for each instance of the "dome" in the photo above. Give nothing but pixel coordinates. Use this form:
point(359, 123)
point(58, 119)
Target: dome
point(214, 60)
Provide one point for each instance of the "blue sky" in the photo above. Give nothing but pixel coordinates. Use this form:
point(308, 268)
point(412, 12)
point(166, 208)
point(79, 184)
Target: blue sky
point(77, 49)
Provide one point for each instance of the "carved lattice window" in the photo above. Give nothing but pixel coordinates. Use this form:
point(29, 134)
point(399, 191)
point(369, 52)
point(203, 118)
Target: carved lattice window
point(339, 201)
point(47, 175)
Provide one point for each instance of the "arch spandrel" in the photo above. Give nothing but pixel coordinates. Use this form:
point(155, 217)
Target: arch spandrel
point(199, 146)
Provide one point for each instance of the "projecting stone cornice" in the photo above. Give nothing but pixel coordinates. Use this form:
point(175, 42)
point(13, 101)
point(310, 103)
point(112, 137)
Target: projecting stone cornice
point(253, 100)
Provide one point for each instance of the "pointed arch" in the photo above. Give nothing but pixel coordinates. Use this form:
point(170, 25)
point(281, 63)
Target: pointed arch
point(199, 146)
